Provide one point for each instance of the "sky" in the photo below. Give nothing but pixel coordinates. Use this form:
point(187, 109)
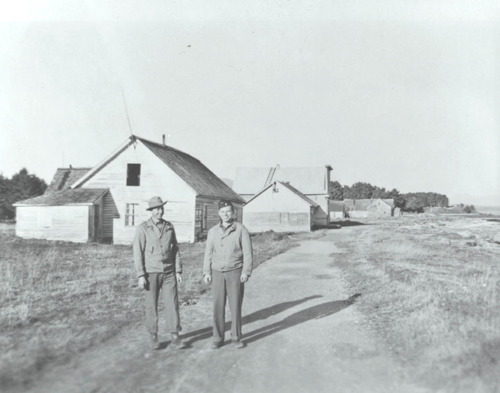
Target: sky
point(401, 94)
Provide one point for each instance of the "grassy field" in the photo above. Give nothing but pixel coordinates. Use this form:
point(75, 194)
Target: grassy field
point(61, 298)
point(431, 289)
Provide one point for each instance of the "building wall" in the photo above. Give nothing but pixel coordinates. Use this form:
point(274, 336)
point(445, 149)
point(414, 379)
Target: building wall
point(156, 179)
point(379, 208)
point(68, 223)
point(322, 215)
point(281, 211)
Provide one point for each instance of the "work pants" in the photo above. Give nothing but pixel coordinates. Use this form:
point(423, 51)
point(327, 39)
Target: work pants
point(167, 283)
point(227, 285)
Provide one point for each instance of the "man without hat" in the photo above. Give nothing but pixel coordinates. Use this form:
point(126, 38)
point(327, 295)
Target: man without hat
point(228, 265)
point(158, 265)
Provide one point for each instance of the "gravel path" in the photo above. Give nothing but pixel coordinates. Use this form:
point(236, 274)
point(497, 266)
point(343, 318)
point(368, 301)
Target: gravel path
point(301, 331)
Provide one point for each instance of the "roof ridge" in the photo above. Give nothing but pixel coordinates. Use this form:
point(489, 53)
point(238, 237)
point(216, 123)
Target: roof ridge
point(163, 146)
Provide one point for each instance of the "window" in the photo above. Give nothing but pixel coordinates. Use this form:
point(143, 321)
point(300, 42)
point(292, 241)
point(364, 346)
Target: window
point(131, 214)
point(133, 174)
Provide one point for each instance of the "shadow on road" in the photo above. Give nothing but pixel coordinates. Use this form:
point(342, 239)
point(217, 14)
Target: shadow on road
point(316, 312)
point(205, 333)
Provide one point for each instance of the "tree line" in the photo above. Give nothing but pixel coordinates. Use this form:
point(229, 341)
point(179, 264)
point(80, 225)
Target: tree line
point(20, 186)
point(412, 201)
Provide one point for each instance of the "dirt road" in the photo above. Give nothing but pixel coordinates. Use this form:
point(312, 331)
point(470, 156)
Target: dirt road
point(301, 331)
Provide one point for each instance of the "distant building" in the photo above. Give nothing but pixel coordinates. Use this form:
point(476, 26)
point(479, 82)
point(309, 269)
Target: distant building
point(362, 208)
point(313, 182)
point(336, 209)
point(106, 202)
point(281, 208)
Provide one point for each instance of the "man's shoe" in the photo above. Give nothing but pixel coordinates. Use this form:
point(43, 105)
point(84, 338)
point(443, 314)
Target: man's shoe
point(176, 340)
point(216, 344)
point(238, 344)
point(153, 342)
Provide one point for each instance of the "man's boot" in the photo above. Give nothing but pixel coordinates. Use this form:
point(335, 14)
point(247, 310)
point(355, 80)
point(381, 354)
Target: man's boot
point(176, 340)
point(153, 341)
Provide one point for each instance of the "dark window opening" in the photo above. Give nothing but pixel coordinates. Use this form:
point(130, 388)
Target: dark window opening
point(133, 174)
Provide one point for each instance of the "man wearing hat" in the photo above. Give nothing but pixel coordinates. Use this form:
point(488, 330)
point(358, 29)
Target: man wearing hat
point(158, 265)
point(228, 265)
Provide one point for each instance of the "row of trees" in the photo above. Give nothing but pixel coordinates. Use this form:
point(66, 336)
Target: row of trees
point(21, 185)
point(412, 201)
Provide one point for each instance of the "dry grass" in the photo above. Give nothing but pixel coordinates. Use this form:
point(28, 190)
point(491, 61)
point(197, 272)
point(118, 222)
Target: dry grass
point(61, 298)
point(431, 290)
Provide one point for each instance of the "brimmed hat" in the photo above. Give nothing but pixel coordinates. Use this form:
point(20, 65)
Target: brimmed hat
point(155, 202)
point(224, 203)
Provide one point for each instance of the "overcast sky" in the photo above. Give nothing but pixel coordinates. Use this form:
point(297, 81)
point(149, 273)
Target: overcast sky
point(401, 94)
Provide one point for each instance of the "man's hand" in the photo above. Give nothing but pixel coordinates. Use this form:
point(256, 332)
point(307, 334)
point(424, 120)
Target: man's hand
point(244, 278)
point(142, 283)
point(207, 278)
point(179, 278)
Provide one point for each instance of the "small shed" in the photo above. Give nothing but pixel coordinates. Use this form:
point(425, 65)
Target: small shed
point(282, 208)
point(71, 215)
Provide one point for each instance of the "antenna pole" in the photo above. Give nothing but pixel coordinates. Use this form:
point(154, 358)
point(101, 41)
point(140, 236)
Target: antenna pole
point(126, 111)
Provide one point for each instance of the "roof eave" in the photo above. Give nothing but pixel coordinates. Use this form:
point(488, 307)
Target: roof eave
point(104, 162)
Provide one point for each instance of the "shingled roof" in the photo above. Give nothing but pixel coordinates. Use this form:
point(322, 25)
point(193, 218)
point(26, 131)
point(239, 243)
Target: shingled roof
point(192, 171)
point(201, 179)
point(65, 177)
point(78, 196)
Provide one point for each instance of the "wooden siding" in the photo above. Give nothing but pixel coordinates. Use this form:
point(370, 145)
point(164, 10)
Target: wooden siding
point(278, 222)
point(281, 211)
point(68, 223)
point(157, 179)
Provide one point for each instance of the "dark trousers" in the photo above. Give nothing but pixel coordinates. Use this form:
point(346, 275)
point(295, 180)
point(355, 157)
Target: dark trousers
point(227, 285)
point(167, 283)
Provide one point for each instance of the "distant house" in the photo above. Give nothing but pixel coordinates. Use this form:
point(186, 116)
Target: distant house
point(282, 208)
point(360, 208)
point(313, 182)
point(120, 187)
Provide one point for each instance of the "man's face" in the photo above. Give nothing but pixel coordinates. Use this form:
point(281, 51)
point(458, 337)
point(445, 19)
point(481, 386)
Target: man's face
point(157, 213)
point(226, 213)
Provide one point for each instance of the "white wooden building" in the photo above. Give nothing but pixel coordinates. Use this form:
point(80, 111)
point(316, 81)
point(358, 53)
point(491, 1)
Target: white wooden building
point(282, 208)
point(313, 182)
point(140, 169)
point(70, 215)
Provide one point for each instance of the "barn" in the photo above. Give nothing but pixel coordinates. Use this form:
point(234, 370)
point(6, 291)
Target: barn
point(282, 208)
point(313, 182)
point(137, 170)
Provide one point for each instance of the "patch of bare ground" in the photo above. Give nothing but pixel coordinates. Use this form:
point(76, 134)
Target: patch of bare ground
point(431, 290)
point(61, 298)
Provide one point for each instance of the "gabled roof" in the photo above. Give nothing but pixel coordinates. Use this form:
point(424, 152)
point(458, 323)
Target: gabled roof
point(292, 189)
point(65, 177)
point(201, 179)
point(309, 180)
point(78, 196)
point(362, 204)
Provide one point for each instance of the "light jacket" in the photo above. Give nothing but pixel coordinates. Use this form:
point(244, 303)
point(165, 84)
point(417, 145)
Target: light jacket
point(155, 250)
point(228, 249)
